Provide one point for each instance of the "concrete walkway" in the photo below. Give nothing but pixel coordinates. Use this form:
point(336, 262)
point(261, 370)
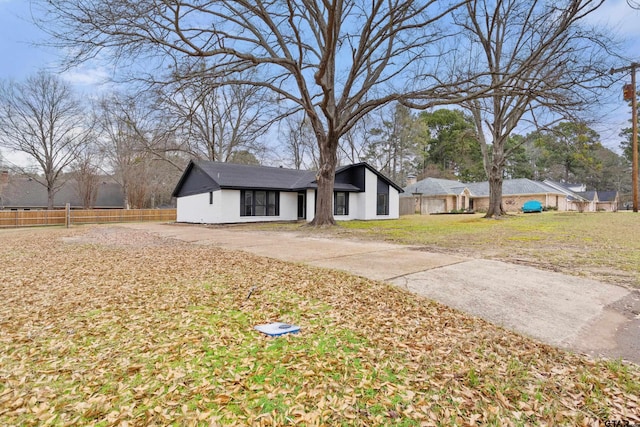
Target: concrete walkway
point(574, 313)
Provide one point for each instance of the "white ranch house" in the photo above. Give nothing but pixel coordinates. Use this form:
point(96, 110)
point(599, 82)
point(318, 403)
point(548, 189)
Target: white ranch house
point(223, 193)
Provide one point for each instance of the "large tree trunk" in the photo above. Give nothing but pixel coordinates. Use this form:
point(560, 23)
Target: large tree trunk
point(325, 178)
point(127, 196)
point(50, 195)
point(495, 193)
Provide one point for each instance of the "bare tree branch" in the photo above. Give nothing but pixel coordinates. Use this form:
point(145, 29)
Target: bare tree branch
point(214, 121)
point(543, 66)
point(337, 60)
point(131, 139)
point(42, 118)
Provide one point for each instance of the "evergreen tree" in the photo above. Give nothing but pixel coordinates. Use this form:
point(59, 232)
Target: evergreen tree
point(449, 147)
point(570, 152)
point(627, 134)
point(394, 147)
point(519, 164)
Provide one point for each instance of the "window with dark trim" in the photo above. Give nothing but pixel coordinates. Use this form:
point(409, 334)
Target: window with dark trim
point(259, 203)
point(382, 199)
point(210, 197)
point(272, 204)
point(341, 203)
point(382, 207)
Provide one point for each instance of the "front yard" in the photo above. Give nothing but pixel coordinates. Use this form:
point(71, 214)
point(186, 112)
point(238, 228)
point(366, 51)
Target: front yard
point(109, 326)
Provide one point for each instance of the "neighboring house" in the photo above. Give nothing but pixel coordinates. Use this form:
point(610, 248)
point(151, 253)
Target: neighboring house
point(608, 201)
point(574, 201)
point(578, 199)
point(21, 192)
point(515, 192)
point(590, 201)
point(218, 193)
point(435, 195)
point(432, 195)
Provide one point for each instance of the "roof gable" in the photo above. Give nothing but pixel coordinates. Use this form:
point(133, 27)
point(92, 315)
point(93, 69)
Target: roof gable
point(358, 168)
point(588, 195)
point(194, 180)
point(353, 176)
point(607, 196)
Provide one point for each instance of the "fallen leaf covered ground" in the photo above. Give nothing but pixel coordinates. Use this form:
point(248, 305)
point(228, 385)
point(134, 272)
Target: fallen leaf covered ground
point(110, 326)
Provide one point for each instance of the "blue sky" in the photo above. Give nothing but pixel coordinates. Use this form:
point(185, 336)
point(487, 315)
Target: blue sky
point(20, 52)
point(20, 56)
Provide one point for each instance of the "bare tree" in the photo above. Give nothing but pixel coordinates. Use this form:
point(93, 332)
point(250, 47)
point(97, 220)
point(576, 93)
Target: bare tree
point(86, 175)
point(298, 142)
point(335, 60)
point(213, 121)
point(355, 144)
point(42, 118)
point(161, 178)
point(136, 139)
point(543, 67)
point(117, 119)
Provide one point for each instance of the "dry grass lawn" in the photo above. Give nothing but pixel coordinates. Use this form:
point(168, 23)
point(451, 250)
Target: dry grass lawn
point(602, 246)
point(108, 326)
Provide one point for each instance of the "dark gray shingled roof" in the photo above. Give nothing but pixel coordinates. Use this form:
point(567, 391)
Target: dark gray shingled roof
point(607, 196)
point(588, 195)
point(230, 175)
point(22, 192)
point(234, 176)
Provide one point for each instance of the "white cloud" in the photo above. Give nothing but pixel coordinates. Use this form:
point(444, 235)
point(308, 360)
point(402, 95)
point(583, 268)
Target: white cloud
point(17, 158)
point(86, 76)
point(618, 15)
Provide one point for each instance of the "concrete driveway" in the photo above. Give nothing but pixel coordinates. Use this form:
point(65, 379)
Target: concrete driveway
point(574, 313)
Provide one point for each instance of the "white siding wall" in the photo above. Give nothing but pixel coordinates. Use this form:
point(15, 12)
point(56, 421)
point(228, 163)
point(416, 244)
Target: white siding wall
point(371, 203)
point(197, 209)
point(360, 204)
point(365, 205)
point(226, 208)
point(356, 202)
point(288, 207)
point(371, 190)
point(394, 204)
point(311, 205)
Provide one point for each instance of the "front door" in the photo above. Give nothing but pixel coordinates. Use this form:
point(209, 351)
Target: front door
point(302, 211)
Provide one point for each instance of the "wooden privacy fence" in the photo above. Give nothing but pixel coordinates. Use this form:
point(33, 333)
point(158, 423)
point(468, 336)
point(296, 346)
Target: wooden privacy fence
point(407, 206)
point(12, 219)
